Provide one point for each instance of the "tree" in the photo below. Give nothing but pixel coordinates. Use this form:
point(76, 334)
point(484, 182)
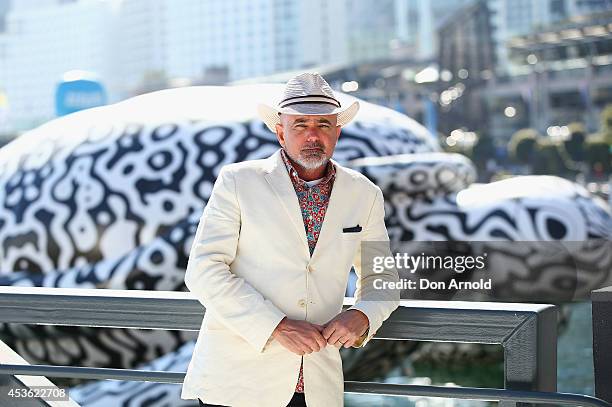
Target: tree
point(549, 159)
point(599, 155)
point(574, 145)
point(483, 150)
point(598, 146)
point(606, 124)
point(522, 146)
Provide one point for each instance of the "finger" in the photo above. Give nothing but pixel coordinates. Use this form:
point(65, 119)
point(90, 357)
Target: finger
point(311, 345)
point(335, 337)
point(299, 344)
point(349, 343)
point(328, 331)
point(291, 345)
point(308, 345)
point(317, 345)
point(297, 350)
point(316, 340)
point(321, 341)
point(306, 350)
point(340, 342)
point(317, 335)
point(319, 328)
point(344, 340)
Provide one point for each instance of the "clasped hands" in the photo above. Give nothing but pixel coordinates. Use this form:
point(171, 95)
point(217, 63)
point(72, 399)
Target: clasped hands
point(303, 337)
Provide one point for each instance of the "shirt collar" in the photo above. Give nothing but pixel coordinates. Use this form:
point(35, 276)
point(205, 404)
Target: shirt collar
point(330, 171)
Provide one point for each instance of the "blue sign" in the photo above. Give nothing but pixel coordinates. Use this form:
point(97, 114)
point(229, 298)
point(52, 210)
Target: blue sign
point(78, 94)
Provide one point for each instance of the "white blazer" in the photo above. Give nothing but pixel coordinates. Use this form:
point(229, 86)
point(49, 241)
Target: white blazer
point(250, 266)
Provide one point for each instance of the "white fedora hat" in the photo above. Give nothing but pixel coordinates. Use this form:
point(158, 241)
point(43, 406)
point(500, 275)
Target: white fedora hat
point(307, 94)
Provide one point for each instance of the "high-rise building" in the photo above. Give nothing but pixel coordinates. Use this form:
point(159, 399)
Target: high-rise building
point(4, 8)
point(135, 46)
point(397, 28)
point(42, 43)
point(191, 38)
point(372, 28)
point(323, 33)
point(466, 58)
point(140, 51)
point(525, 64)
point(567, 68)
point(512, 18)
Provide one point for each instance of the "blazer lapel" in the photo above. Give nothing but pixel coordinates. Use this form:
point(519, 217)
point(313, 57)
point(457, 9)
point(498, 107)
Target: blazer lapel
point(278, 178)
point(335, 210)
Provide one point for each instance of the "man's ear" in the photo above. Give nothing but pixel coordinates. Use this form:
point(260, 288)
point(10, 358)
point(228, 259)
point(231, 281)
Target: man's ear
point(280, 135)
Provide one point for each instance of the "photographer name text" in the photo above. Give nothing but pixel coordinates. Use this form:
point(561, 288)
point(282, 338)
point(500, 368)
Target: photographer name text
point(425, 284)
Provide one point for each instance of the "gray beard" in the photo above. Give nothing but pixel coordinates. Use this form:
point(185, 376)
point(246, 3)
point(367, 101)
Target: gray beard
point(311, 162)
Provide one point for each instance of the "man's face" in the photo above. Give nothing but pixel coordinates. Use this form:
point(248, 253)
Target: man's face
point(308, 140)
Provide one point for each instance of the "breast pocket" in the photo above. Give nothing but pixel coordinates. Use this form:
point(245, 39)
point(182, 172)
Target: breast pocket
point(351, 235)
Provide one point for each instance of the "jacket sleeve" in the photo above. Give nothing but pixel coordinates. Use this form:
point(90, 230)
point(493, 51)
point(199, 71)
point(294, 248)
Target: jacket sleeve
point(233, 300)
point(376, 304)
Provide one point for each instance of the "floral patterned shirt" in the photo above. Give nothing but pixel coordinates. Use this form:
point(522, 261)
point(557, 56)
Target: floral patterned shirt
point(313, 204)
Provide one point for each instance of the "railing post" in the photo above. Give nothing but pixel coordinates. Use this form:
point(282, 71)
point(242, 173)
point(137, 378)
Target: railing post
point(602, 342)
point(530, 355)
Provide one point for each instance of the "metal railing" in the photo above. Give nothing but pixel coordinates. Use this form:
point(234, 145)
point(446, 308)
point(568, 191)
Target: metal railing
point(527, 333)
point(602, 341)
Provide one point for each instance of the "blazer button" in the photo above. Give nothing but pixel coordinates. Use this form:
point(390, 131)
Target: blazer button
point(310, 269)
point(302, 303)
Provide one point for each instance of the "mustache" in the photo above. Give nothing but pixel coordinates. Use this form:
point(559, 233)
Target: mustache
point(313, 146)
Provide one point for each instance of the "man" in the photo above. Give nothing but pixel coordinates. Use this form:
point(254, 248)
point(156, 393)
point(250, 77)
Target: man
point(270, 262)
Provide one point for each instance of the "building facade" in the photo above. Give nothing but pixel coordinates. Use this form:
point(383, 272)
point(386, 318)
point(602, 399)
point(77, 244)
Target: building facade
point(137, 46)
point(40, 44)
